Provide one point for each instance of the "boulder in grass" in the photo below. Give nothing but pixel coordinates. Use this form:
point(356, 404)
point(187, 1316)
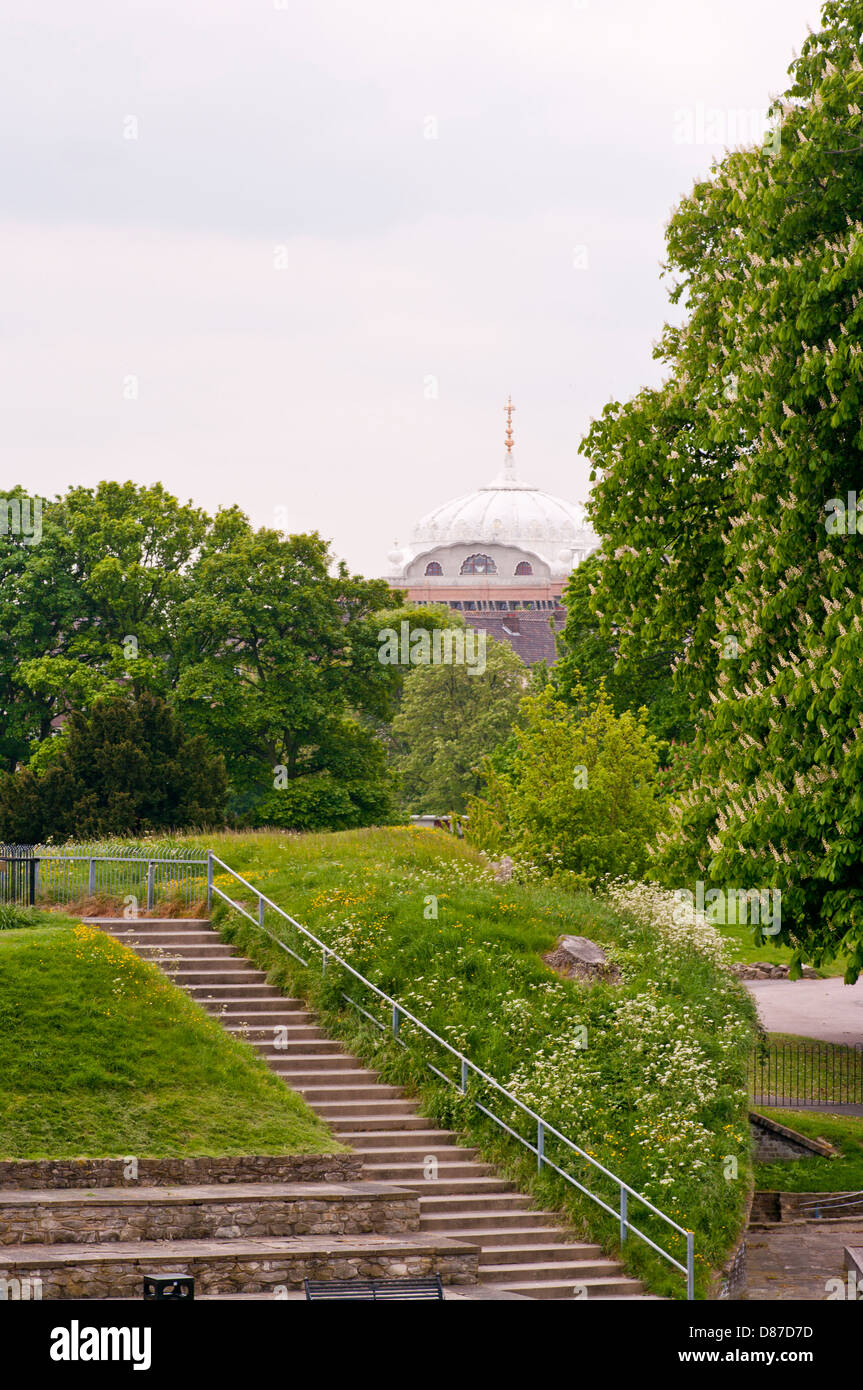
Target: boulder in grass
point(579, 958)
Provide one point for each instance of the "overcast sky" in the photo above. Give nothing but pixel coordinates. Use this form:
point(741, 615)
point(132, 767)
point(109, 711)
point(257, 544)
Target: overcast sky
point(295, 253)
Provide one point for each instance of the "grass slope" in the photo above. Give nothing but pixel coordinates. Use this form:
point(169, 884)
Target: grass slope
point(100, 1056)
point(657, 1093)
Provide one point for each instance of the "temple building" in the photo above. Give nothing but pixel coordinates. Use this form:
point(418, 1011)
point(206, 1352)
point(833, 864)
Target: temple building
point(500, 555)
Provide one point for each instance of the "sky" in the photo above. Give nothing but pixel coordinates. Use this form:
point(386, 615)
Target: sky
point(295, 255)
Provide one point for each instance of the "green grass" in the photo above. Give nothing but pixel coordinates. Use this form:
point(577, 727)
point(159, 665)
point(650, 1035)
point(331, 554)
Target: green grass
point(658, 1095)
point(101, 1056)
point(845, 1174)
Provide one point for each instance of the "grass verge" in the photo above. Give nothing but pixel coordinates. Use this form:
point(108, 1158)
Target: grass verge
point(101, 1056)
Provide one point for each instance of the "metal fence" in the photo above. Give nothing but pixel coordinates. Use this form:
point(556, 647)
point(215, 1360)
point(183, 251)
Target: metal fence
point(797, 1075)
point(148, 874)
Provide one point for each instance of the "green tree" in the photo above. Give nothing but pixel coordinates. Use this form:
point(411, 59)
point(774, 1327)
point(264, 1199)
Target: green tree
point(451, 716)
point(126, 767)
point(590, 657)
point(281, 670)
point(722, 503)
point(578, 794)
point(93, 602)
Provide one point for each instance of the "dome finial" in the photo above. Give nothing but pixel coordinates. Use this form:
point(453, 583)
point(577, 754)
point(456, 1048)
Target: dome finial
point(508, 409)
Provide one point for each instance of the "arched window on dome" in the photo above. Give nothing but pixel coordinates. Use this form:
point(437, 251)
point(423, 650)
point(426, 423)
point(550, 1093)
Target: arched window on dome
point(478, 564)
point(433, 567)
point(524, 567)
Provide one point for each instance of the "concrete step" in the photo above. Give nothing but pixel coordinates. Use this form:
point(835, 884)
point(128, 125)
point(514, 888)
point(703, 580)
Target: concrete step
point(453, 1187)
point(164, 923)
point(543, 1272)
point(316, 1094)
point(528, 1237)
point(288, 1062)
point(477, 1203)
point(298, 1078)
point(199, 978)
point(606, 1287)
point(338, 1109)
point(532, 1250)
point(254, 997)
point(177, 941)
point(415, 1174)
point(262, 1013)
point(381, 1143)
point(373, 1124)
point(261, 1029)
point(461, 1223)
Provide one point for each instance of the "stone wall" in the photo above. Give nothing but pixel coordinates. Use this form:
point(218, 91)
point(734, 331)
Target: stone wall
point(777, 1142)
point(239, 1270)
point(160, 1172)
point(301, 1209)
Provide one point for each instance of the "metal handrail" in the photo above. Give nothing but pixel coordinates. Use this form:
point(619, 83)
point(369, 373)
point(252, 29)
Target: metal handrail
point(543, 1128)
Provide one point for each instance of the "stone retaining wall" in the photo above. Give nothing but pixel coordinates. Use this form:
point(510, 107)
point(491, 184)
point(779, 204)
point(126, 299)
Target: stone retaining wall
point(166, 1172)
point(338, 1209)
point(233, 1272)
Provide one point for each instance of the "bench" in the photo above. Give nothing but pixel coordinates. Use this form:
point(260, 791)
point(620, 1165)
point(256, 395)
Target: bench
point(373, 1290)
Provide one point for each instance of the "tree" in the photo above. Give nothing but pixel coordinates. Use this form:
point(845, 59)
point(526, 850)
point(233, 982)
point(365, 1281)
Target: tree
point(590, 659)
point(91, 602)
point(724, 504)
point(451, 716)
point(125, 768)
point(577, 794)
point(281, 670)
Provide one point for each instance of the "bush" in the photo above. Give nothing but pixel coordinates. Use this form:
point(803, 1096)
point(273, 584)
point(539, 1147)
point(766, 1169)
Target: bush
point(577, 795)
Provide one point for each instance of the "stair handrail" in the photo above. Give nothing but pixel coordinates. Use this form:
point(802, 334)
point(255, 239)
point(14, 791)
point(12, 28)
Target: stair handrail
point(543, 1128)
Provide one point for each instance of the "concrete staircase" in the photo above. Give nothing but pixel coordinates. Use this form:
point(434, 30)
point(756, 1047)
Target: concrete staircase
point(522, 1251)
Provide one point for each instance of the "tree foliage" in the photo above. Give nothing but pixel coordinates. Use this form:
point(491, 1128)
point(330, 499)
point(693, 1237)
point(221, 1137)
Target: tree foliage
point(126, 768)
point(714, 502)
point(450, 717)
point(578, 793)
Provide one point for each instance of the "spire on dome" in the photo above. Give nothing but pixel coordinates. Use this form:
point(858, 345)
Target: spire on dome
point(508, 461)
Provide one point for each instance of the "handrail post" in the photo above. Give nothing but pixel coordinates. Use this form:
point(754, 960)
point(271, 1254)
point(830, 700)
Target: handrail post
point(209, 879)
point(262, 910)
point(464, 1076)
point(540, 1145)
point(624, 1212)
point(690, 1265)
point(395, 1020)
point(325, 955)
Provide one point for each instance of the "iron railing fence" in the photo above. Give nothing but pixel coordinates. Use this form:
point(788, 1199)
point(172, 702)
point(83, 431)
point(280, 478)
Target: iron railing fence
point(795, 1075)
point(140, 875)
point(472, 1082)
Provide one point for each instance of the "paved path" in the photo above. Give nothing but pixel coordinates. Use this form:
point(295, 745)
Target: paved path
point(825, 1009)
point(795, 1260)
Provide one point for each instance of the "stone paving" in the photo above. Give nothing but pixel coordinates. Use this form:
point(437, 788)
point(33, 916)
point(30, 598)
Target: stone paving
point(795, 1260)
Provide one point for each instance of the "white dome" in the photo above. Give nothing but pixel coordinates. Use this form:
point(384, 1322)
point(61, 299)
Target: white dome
point(506, 510)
